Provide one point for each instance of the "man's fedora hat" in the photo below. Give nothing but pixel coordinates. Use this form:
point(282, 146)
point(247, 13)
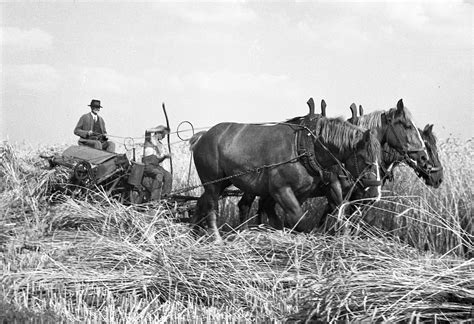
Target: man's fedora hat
point(95, 104)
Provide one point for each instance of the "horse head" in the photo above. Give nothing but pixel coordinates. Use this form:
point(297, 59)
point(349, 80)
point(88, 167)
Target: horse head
point(363, 164)
point(402, 134)
point(433, 176)
point(357, 148)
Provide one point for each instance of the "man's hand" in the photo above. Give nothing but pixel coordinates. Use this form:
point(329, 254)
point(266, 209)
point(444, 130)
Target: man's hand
point(89, 133)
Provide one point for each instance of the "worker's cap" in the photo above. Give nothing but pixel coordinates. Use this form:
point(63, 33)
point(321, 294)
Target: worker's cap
point(159, 129)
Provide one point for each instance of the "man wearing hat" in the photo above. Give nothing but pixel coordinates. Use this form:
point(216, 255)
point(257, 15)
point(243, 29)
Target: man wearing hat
point(153, 156)
point(91, 129)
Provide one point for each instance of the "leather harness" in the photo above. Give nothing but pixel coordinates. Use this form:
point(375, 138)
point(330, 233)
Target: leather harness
point(305, 149)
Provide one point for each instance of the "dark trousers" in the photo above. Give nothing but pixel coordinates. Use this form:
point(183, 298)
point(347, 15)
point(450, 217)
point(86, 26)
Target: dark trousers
point(162, 180)
point(107, 145)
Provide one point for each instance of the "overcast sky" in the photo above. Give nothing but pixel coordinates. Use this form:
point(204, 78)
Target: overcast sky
point(233, 61)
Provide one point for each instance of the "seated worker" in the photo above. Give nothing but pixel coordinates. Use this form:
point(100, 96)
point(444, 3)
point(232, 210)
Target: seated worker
point(91, 129)
point(153, 156)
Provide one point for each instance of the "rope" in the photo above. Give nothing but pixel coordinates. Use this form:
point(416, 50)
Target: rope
point(194, 129)
point(257, 169)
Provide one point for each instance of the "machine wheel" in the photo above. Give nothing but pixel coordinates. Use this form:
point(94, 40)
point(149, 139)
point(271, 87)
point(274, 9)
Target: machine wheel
point(83, 171)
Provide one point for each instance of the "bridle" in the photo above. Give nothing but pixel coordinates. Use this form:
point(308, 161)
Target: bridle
point(404, 151)
point(363, 184)
point(394, 157)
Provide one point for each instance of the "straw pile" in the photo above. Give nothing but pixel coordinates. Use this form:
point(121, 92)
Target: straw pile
point(90, 261)
point(117, 255)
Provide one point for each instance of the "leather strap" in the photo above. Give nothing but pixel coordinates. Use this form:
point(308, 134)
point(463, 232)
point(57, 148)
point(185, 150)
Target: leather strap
point(305, 148)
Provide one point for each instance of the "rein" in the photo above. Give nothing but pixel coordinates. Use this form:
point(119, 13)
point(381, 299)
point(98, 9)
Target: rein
point(395, 159)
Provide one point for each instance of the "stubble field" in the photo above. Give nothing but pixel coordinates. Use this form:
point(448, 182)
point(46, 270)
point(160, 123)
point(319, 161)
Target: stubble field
point(407, 259)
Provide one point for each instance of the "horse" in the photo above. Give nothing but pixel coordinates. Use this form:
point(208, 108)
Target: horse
point(432, 173)
point(336, 191)
point(264, 160)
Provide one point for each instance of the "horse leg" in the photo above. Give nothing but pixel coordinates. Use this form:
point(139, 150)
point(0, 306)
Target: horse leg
point(212, 220)
point(206, 207)
point(244, 209)
point(201, 210)
point(334, 197)
point(266, 206)
point(290, 205)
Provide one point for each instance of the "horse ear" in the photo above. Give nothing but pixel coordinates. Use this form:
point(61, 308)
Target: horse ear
point(361, 110)
point(310, 103)
point(354, 111)
point(323, 108)
point(428, 129)
point(400, 105)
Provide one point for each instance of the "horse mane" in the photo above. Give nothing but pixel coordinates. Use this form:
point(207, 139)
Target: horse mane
point(370, 120)
point(294, 120)
point(374, 149)
point(346, 136)
point(374, 119)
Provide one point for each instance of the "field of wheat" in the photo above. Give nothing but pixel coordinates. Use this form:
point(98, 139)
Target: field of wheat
point(409, 258)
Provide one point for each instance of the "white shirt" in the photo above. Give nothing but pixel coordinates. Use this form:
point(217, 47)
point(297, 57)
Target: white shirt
point(157, 149)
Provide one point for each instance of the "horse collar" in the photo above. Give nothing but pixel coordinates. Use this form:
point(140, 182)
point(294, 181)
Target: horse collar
point(305, 148)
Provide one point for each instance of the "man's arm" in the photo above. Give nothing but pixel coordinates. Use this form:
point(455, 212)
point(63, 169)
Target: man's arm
point(102, 121)
point(153, 159)
point(79, 130)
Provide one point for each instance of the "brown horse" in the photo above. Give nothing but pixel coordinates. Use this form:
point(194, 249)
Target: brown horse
point(264, 161)
point(340, 187)
point(431, 172)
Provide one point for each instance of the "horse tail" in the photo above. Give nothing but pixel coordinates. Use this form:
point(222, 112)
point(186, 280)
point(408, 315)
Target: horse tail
point(195, 139)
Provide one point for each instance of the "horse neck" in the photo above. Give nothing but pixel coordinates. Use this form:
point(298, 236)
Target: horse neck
point(336, 148)
point(332, 155)
point(380, 133)
point(376, 122)
point(431, 149)
point(390, 157)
